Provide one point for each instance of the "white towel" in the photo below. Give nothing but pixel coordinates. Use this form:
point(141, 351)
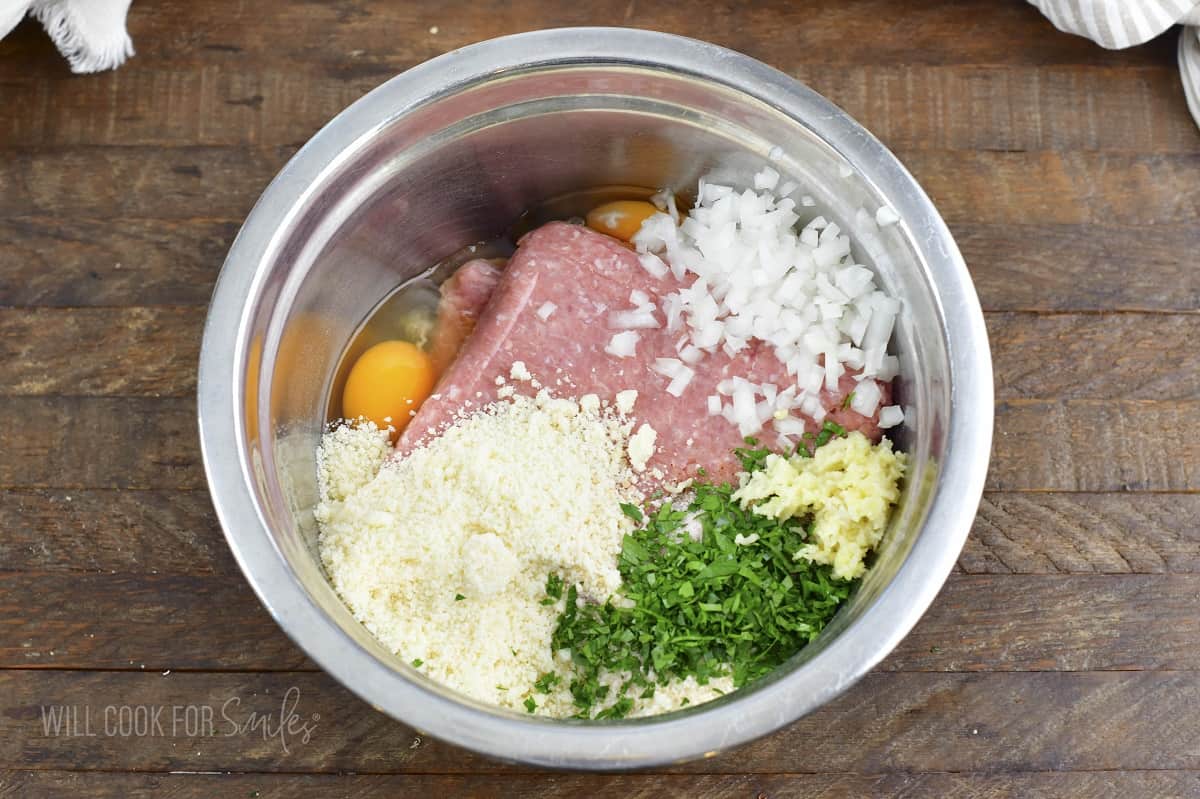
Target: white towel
point(1117, 24)
point(90, 33)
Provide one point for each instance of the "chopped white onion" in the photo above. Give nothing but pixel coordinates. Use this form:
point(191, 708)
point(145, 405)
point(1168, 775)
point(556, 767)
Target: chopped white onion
point(751, 277)
point(653, 264)
point(886, 215)
point(668, 367)
point(637, 319)
point(680, 381)
point(890, 416)
point(766, 179)
point(623, 345)
point(545, 310)
point(790, 426)
point(866, 397)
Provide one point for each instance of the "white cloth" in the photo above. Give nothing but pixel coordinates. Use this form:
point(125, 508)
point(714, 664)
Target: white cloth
point(90, 33)
point(1117, 24)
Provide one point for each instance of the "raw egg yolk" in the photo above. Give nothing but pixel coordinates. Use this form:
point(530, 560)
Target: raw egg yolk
point(620, 219)
point(388, 382)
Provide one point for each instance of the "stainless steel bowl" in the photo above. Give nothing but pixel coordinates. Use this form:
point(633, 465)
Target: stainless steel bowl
point(452, 152)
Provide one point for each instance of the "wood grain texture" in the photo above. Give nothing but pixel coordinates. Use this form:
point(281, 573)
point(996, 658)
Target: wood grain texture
point(55, 261)
point(1095, 356)
point(176, 532)
point(1040, 533)
point(146, 352)
point(88, 262)
point(1077, 442)
point(1108, 268)
point(1034, 188)
point(1061, 784)
point(111, 442)
point(994, 622)
point(1068, 356)
point(1095, 445)
point(133, 532)
point(346, 36)
point(1061, 659)
point(911, 106)
point(887, 722)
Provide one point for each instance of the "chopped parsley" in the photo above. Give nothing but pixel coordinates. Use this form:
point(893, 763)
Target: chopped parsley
point(530, 705)
point(848, 400)
point(632, 511)
point(545, 683)
point(810, 443)
point(554, 589)
point(418, 663)
point(705, 609)
point(459, 597)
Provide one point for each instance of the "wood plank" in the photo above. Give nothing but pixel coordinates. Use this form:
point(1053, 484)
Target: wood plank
point(1034, 188)
point(134, 532)
point(345, 38)
point(180, 183)
point(889, 722)
point(1095, 356)
point(1087, 445)
point(1077, 444)
point(1062, 188)
point(1106, 267)
point(58, 261)
point(152, 352)
point(147, 352)
point(975, 785)
point(1057, 623)
point(110, 442)
point(77, 261)
point(993, 622)
point(910, 106)
point(176, 532)
point(138, 621)
point(1035, 533)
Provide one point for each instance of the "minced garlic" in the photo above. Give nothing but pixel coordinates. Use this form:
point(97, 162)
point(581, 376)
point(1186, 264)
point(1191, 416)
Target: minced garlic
point(848, 486)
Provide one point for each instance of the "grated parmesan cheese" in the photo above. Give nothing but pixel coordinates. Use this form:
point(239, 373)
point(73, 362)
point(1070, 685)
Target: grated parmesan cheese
point(626, 400)
point(485, 511)
point(641, 447)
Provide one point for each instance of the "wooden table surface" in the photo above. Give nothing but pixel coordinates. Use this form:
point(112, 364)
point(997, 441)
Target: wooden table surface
point(1062, 658)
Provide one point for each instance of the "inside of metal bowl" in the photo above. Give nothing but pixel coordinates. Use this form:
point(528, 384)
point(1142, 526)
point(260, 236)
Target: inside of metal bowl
point(462, 167)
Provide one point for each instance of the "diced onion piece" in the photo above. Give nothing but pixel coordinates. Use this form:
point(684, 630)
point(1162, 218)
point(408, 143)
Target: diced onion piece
point(790, 426)
point(546, 309)
point(668, 367)
point(889, 367)
point(886, 215)
point(691, 355)
point(653, 264)
point(680, 382)
point(745, 412)
point(714, 404)
point(623, 345)
point(637, 319)
point(766, 178)
point(866, 397)
point(638, 298)
point(833, 370)
point(890, 416)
